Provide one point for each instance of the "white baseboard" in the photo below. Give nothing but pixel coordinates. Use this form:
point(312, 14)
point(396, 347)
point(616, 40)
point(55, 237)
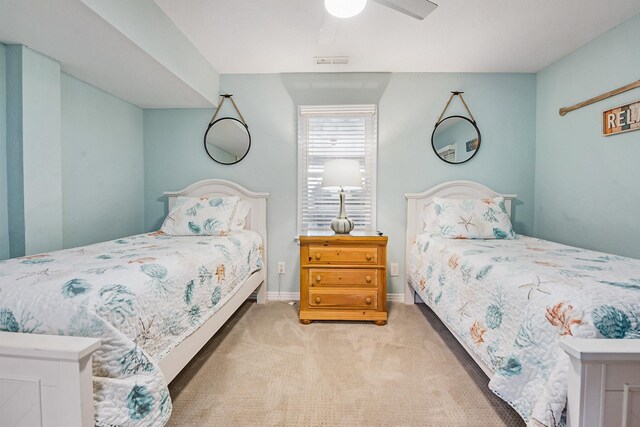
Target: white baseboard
point(283, 296)
point(395, 297)
point(295, 296)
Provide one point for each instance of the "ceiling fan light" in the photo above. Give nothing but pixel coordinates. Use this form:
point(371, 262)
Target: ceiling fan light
point(344, 8)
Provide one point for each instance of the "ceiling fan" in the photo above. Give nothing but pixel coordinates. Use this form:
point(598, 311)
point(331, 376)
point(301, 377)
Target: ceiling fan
point(417, 9)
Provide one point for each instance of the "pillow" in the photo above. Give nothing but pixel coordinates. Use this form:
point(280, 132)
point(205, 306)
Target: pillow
point(240, 217)
point(473, 219)
point(430, 220)
point(200, 216)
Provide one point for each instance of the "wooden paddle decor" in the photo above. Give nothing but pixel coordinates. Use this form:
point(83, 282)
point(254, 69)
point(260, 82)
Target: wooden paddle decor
point(598, 98)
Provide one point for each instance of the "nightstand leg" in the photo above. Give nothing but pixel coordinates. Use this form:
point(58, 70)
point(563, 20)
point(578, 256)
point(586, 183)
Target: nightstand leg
point(380, 322)
point(305, 321)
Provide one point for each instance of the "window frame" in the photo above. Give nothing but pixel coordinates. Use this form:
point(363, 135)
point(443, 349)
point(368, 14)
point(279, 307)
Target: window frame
point(349, 109)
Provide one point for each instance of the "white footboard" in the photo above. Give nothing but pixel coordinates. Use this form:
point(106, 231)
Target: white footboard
point(45, 380)
point(604, 382)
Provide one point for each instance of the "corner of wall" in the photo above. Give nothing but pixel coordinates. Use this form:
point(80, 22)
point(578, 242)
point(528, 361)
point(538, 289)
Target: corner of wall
point(34, 184)
point(15, 190)
point(4, 216)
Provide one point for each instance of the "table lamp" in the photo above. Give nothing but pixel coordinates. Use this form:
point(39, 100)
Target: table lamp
point(342, 174)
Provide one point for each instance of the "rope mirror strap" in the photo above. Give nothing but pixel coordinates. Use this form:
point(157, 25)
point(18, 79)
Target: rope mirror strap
point(466, 107)
point(224, 97)
point(456, 93)
point(236, 107)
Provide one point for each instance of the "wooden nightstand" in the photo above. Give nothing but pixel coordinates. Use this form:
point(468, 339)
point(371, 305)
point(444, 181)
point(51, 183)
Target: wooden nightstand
point(343, 277)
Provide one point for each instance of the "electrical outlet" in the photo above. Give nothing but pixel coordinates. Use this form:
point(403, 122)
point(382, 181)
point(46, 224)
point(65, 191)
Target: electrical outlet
point(281, 269)
point(394, 269)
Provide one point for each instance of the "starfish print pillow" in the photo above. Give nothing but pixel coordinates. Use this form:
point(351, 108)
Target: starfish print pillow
point(473, 218)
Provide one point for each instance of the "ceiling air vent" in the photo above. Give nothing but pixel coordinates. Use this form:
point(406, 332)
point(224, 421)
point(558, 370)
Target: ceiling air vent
point(331, 60)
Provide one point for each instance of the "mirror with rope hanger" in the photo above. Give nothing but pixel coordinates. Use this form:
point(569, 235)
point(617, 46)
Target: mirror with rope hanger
point(227, 139)
point(456, 139)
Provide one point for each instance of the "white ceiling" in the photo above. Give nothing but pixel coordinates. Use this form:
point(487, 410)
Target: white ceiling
point(273, 36)
point(281, 36)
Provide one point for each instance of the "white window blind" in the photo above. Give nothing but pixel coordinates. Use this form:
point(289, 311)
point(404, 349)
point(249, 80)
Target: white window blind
point(336, 132)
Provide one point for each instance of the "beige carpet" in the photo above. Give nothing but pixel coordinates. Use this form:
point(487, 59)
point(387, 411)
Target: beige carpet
point(265, 368)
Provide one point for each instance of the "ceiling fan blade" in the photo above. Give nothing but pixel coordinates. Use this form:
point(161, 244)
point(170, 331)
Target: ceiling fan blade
point(417, 9)
point(328, 29)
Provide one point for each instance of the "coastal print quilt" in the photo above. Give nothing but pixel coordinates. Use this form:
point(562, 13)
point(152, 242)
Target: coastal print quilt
point(511, 300)
point(141, 295)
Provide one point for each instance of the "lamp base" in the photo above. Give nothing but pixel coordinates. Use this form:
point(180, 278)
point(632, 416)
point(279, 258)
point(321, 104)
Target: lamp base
point(342, 225)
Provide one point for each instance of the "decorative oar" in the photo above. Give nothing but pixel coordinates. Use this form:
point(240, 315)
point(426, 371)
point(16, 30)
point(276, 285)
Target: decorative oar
point(598, 98)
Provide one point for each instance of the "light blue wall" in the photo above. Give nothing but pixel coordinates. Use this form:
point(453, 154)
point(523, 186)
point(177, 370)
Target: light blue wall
point(4, 218)
point(102, 165)
point(587, 185)
point(503, 105)
point(42, 152)
point(74, 159)
point(33, 152)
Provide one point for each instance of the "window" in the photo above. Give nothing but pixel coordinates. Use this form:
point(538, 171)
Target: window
point(336, 132)
point(448, 153)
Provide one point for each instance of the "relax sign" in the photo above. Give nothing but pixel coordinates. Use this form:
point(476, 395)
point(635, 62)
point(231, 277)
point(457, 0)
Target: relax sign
point(621, 119)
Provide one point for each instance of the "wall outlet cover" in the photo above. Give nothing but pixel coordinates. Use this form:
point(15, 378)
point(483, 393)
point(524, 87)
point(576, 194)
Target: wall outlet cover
point(395, 269)
point(281, 267)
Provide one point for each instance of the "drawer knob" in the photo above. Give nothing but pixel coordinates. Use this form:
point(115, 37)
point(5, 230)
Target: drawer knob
point(317, 300)
point(318, 278)
point(367, 301)
point(368, 279)
point(318, 256)
point(368, 257)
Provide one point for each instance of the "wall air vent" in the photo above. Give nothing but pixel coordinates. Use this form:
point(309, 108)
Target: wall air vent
point(331, 60)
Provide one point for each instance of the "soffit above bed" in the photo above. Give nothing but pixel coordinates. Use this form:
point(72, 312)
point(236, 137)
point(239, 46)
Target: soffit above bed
point(127, 48)
point(273, 36)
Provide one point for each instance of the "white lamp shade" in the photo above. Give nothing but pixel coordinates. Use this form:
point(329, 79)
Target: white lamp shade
point(341, 173)
point(344, 8)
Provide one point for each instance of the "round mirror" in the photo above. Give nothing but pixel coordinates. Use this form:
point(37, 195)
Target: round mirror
point(227, 140)
point(456, 139)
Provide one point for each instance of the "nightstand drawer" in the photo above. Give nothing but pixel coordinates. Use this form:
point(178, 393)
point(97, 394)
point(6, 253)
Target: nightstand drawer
point(349, 299)
point(343, 255)
point(319, 277)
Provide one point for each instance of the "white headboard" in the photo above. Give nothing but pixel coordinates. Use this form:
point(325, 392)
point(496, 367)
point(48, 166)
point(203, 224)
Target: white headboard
point(419, 204)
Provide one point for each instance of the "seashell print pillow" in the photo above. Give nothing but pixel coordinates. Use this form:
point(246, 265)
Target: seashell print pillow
point(473, 218)
point(200, 216)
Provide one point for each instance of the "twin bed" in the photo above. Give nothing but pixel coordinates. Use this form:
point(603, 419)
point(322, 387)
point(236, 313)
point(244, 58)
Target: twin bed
point(106, 327)
point(541, 319)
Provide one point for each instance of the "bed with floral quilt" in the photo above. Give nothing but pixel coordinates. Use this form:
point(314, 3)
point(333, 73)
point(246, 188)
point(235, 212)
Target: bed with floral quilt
point(152, 299)
point(511, 299)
